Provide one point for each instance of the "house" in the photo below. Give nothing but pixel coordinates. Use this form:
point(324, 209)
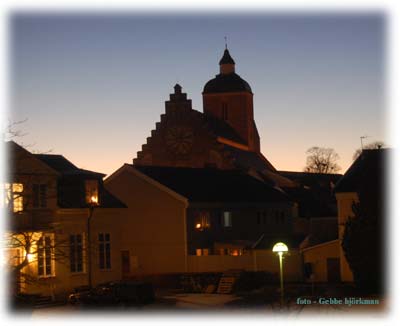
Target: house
point(368, 172)
point(178, 213)
point(61, 232)
point(323, 254)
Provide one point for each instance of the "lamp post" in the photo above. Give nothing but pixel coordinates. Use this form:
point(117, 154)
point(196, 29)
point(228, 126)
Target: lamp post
point(92, 204)
point(280, 248)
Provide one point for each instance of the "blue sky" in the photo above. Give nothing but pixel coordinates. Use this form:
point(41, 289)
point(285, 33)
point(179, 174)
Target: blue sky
point(93, 86)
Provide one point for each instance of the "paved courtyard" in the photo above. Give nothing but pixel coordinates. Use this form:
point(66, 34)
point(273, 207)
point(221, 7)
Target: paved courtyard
point(216, 303)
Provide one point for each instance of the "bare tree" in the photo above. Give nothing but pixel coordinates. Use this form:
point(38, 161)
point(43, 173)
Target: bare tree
point(375, 145)
point(321, 160)
point(24, 240)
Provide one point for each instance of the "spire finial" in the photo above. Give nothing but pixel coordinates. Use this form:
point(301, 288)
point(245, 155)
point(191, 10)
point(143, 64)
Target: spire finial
point(226, 43)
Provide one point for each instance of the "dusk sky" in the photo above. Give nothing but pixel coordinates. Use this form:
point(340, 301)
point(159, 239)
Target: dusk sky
point(93, 87)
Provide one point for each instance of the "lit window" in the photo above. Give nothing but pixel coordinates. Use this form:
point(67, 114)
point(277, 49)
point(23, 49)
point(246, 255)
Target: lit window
point(13, 196)
point(104, 251)
point(227, 218)
point(45, 260)
point(202, 252)
point(39, 192)
point(235, 252)
point(76, 253)
point(202, 221)
point(92, 191)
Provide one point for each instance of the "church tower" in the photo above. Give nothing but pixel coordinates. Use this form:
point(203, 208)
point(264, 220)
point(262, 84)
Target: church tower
point(228, 97)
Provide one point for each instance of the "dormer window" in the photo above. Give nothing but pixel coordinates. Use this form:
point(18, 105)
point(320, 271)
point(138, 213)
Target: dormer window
point(92, 192)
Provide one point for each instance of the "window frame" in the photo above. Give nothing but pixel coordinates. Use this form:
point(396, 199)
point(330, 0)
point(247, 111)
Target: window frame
point(104, 251)
point(227, 216)
point(45, 255)
point(13, 198)
point(39, 195)
point(91, 191)
point(77, 256)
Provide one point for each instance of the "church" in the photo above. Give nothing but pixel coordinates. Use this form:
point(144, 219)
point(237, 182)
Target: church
point(223, 136)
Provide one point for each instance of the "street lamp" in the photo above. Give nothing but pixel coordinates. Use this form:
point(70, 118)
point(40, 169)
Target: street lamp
point(92, 204)
point(280, 248)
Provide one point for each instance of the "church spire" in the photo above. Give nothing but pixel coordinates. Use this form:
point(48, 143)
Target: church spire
point(226, 64)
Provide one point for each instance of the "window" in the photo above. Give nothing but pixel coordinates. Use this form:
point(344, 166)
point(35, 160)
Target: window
point(282, 217)
point(45, 261)
point(39, 195)
point(91, 191)
point(202, 252)
point(104, 251)
point(202, 221)
point(235, 252)
point(13, 196)
point(227, 218)
point(76, 253)
point(224, 111)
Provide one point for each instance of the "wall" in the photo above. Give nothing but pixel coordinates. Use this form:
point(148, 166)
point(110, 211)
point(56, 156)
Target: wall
point(345, 202)
point(74, 221)
point(153, 227)
point(318, 255)
point(257, 260)
point(248, 223)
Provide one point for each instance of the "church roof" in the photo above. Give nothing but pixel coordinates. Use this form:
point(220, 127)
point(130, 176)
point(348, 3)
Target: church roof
point(247, 159)
point(221, 128)
point(213, 185)
point(226, 58)
point(225, 83)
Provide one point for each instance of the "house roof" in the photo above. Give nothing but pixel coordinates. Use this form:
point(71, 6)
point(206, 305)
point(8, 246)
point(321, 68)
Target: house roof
point(213, 185)
point(311, 179)
point(71, 194)
point(64, 166)
point(369, 165)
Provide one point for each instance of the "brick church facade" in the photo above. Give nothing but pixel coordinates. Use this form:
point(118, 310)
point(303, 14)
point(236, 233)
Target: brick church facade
point(224, 136)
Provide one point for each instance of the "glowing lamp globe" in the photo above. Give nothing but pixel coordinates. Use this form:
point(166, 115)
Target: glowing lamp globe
point(280, 248)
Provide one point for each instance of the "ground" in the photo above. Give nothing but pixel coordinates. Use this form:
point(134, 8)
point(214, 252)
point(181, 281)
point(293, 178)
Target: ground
point(171, 301)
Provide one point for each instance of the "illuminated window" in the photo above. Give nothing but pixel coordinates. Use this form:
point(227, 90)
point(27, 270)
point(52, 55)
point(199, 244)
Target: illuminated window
point(104, 251)
point(13, 196)
point(227, 219)
point(39, 195)
point(45, 260)
point(92, 191)
point(76, 253)
point(202, 252)
point(235, 252)
point(202, 221)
